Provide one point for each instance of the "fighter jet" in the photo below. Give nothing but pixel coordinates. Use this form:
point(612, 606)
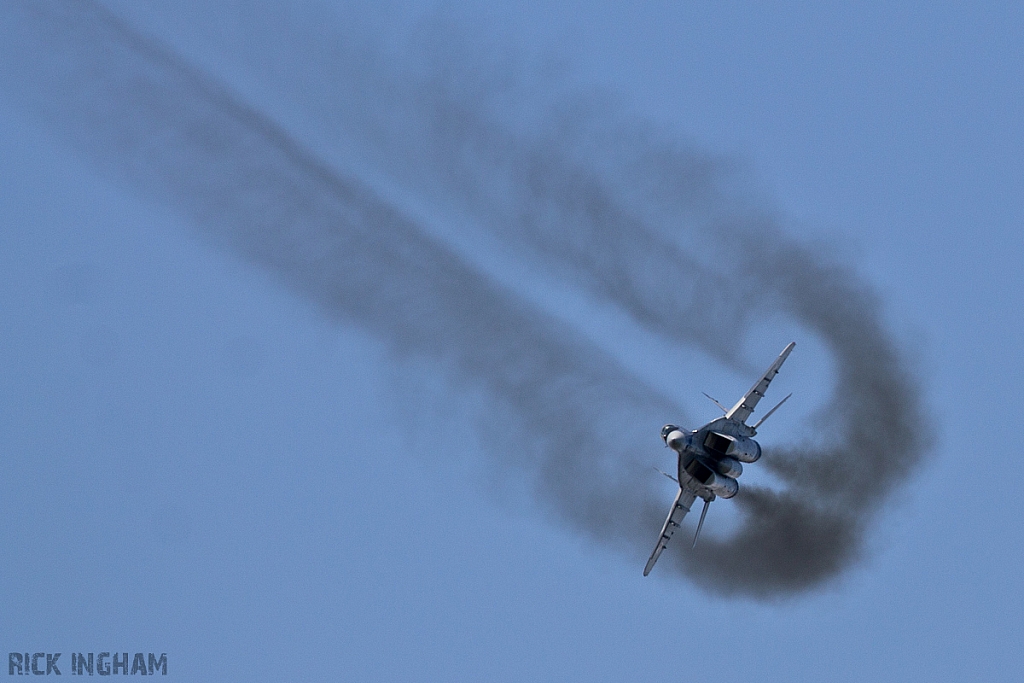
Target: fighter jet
point(710, 458)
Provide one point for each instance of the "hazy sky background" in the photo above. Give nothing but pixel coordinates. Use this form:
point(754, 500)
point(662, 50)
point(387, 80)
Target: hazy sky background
point(197, 460)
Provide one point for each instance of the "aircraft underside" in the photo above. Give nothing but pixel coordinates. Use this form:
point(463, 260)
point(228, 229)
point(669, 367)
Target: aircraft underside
point(710, 459)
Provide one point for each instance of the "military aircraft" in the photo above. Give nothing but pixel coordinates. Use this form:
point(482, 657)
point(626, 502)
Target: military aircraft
point(710, 458)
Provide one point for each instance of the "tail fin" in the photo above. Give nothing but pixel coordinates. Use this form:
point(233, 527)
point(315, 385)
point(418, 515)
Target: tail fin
point(703, 514)
point(769, 413)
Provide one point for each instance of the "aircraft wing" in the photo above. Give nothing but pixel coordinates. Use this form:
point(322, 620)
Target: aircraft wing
point(742, 410)
point(679, 509)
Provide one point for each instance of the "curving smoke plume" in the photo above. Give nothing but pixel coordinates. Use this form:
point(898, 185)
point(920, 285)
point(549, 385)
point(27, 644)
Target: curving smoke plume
point(616, 209)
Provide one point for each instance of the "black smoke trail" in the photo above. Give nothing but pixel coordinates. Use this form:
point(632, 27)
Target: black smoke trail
point(583, 193)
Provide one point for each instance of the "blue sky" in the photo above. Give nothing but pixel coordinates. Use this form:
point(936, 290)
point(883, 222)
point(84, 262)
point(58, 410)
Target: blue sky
point(198, 460)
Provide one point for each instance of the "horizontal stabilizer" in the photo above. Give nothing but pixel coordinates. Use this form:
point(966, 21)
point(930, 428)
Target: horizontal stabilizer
point(667, 475)
point(715, 401)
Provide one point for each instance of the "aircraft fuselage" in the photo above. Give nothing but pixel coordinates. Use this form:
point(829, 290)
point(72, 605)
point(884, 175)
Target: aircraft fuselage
point(710, 458)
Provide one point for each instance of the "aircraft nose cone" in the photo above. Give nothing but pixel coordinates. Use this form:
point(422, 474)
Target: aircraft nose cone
point(672, 436)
